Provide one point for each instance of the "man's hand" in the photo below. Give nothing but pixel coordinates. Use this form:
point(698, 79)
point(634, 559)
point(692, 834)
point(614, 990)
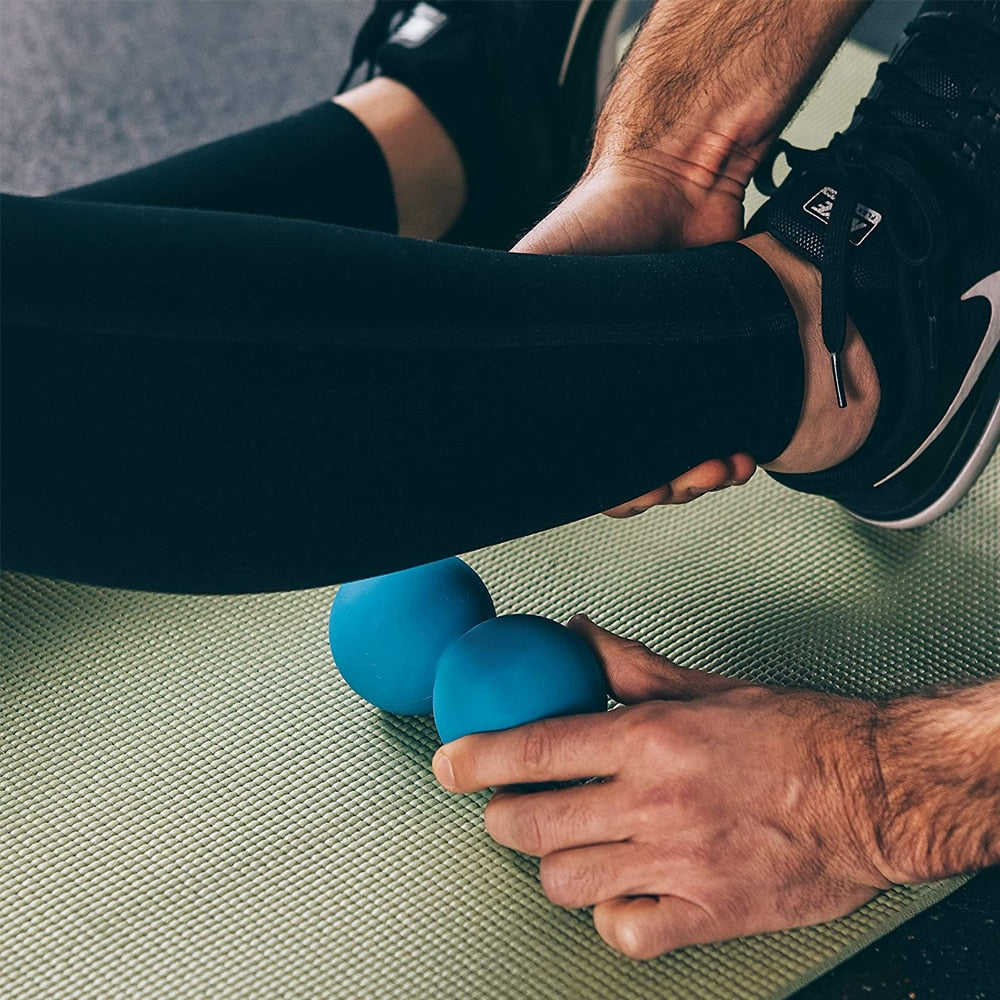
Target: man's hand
point(708, 477)
point(640, 203)
point(727, 809)
point(704, 90)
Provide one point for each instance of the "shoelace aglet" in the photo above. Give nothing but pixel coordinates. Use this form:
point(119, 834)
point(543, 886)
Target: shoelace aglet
point(838, 380)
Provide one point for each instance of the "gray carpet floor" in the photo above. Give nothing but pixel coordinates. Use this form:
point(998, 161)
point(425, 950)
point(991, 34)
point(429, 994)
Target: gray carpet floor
point(94, 87)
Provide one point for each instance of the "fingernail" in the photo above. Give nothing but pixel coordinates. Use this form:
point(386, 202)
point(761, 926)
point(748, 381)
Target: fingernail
point(443, 770)
point(579, 619)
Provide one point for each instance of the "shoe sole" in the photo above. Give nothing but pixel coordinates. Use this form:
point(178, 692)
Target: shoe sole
point(936, 482)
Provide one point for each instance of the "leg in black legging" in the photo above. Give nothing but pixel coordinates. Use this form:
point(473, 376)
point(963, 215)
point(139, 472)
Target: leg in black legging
point(204, 401)
point(321, 164)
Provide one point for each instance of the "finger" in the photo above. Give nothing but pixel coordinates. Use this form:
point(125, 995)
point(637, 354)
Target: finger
point(715, 474)
point(561, 749)
point(635, 673)
point(541, 823)
point(587, 876)
point(661, 495)
point(649, 926)
point(740, 470)
point(708, 477)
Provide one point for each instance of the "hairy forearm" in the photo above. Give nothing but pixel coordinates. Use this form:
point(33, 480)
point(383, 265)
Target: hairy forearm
point(940, 761)
point(710, 83)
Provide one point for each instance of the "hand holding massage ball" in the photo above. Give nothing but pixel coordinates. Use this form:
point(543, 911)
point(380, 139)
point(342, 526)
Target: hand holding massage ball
point(512, 670)
point(429, 636)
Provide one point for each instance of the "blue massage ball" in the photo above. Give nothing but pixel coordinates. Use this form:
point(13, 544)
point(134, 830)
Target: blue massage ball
point(512, 670)
point(387, 633)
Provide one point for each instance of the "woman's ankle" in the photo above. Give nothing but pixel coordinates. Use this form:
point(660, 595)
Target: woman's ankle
point(826, 434)
point(428, 178)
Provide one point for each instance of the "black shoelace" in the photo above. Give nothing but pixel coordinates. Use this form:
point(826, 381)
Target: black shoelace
point(856, 164)
point(371, 35)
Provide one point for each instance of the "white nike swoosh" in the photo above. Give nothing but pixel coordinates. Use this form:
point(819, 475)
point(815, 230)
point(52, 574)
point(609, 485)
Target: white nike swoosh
point(988, 288)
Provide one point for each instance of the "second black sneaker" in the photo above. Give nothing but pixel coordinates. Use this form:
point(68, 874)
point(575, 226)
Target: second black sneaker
point(515, 83)
point(901, 214)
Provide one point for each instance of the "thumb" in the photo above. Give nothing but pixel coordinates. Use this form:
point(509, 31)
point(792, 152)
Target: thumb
point(599, 216)
point(636, 674)
point(560, 232)
point(645, 927)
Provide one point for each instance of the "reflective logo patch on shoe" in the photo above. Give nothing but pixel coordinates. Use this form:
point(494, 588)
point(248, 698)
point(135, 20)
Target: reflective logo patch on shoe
point(424, 22)
point(988, 288)
point(820, 205)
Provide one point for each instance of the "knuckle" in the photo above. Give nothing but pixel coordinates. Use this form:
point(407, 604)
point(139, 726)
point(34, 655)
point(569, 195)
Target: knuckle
point(515, 823)
point(641, 718)
point(641, 656)
point(644, 713)
point(559, 882)
point(648, 726)
point(700, 855)
point(647, 817)
point(666, 801)
point(528, 832)
point(536, 748)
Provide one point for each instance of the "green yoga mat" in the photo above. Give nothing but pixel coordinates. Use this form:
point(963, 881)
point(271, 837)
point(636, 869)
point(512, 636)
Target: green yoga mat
point(192, 804)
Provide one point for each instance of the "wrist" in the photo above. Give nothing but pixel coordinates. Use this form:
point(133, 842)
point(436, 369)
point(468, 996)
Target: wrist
point(658, 204)
point(709, 86)
point(842, 736)
point(713, 155)
point(938, 756)
point(700, 161)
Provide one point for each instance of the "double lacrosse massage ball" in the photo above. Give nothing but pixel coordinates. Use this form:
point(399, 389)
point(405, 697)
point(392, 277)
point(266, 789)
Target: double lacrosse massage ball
point(428, 639)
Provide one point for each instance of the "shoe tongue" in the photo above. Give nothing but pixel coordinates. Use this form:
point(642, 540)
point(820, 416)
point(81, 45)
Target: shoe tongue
point(418, 26)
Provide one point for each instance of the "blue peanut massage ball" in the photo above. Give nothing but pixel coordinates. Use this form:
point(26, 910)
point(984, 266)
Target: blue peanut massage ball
point(511, 670)
point(387, 633)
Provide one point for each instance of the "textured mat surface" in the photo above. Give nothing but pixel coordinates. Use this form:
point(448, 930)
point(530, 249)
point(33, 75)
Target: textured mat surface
point(193, 805)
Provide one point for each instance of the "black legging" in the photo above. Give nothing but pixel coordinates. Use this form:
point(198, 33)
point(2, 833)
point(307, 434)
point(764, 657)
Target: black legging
point(224, 397)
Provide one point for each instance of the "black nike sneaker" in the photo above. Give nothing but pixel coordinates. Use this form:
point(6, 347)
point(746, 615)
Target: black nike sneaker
point(901, 214)
point(515, 83)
